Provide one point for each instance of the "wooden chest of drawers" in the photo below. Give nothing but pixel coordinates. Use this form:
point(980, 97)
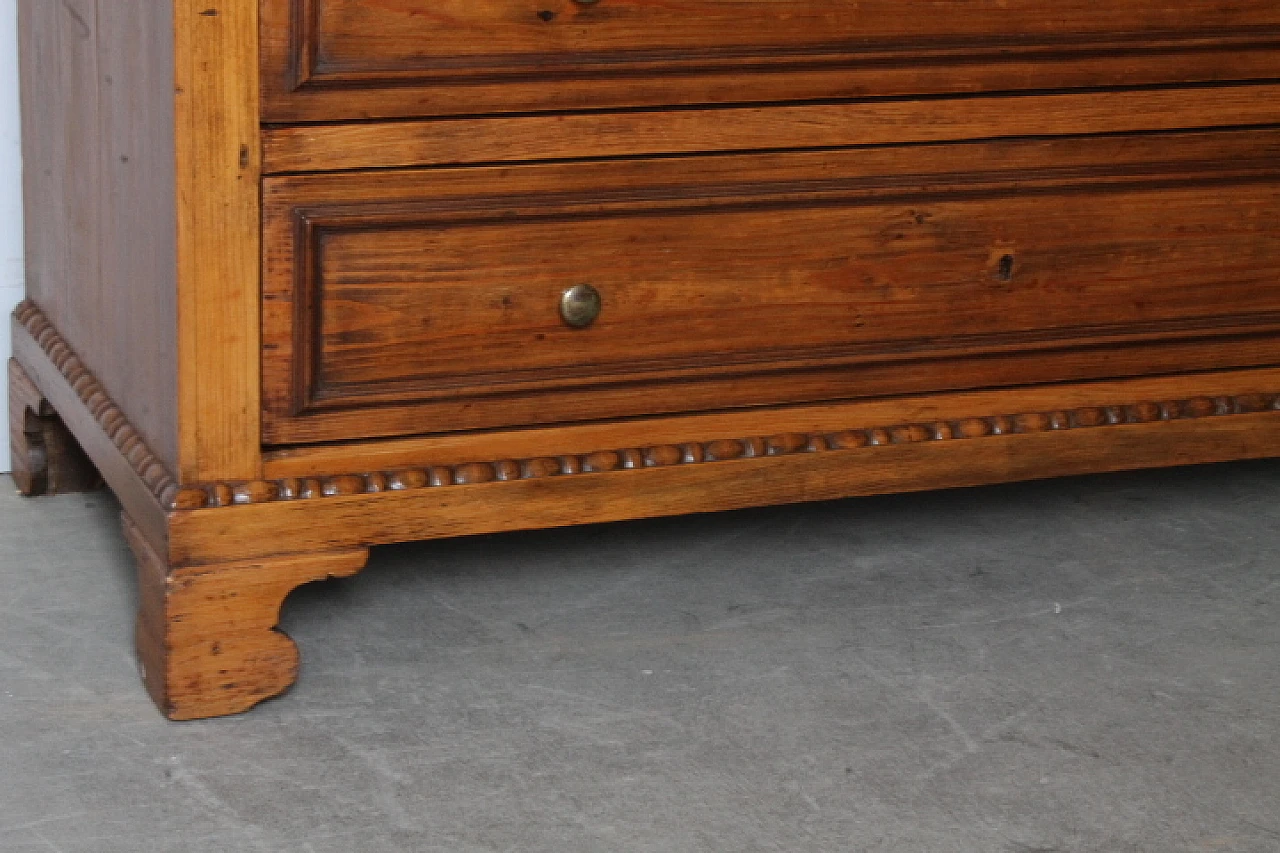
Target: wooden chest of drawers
point(307, 276)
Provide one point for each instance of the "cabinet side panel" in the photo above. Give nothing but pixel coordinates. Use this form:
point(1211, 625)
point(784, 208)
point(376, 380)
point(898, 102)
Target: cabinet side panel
point(98, 145)
point(58, 62)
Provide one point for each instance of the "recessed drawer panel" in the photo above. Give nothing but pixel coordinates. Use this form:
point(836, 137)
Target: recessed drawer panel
point(333, 59)
point(437, 300)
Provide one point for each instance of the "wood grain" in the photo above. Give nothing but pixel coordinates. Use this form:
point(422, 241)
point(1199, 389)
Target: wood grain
point(346, 520)
point(415, 57)
point(119, 452)
point(844, 249)
point(428, 301)
point(70, 376)
point(309, 462)
point(718, 450)
point(207, 637)
point(97, 89)
point(218, 236)
point(359, 145)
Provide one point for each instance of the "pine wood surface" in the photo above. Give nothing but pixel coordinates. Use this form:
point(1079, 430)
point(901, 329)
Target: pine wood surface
point(99, 185)
point(363, 145)
point(448, 449)
point(428, 57)
point(358, 514)
point(428, 301)
point(100, 428)
point(295, 269)
point(219, 237)
point(207, 638)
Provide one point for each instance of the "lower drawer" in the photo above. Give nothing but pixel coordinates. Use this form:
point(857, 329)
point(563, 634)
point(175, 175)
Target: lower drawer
point(427, 301)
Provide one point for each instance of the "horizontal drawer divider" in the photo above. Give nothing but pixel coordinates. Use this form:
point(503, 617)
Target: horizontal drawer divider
point(363, 145)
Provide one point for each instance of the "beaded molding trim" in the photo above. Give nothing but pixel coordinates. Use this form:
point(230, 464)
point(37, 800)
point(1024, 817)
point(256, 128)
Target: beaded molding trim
point(696, 453)
point(212, 495)
point(110, 419)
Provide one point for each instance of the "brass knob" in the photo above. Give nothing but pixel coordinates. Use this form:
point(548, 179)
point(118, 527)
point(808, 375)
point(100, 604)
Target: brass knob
point(580, 306)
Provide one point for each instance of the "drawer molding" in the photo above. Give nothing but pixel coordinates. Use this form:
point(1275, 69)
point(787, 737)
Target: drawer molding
point(312, 71)
point(113, 423)
point(215, 495)
point(420, 59)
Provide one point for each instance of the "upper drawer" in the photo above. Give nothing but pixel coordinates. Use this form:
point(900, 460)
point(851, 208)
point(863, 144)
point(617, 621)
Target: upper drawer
point(341, 59)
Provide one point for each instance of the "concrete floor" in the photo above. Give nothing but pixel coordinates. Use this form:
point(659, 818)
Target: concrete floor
point(1082, 665)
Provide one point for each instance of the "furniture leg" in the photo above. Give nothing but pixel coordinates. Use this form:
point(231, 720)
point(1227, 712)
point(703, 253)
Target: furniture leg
point(207, 639)
point(46, 459)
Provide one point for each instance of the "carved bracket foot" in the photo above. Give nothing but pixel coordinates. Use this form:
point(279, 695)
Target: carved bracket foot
point(207, 639)
point(46, 459)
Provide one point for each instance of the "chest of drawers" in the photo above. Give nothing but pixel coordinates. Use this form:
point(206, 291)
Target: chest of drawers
point(308, 276)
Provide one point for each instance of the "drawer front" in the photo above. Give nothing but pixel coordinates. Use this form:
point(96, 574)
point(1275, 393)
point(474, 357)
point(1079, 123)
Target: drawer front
point(335, 59)
point(429, 301)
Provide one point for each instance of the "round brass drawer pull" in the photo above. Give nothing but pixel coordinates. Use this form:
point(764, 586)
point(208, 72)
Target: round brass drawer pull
point(580, 306)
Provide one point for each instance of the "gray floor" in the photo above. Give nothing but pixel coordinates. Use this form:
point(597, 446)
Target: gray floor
point(1082, 665)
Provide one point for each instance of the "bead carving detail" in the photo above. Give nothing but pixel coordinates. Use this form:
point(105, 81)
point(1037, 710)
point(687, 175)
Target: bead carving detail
point(727, 450)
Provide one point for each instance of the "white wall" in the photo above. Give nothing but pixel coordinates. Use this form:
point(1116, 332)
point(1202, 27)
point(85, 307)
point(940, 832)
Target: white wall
point(10, 196)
